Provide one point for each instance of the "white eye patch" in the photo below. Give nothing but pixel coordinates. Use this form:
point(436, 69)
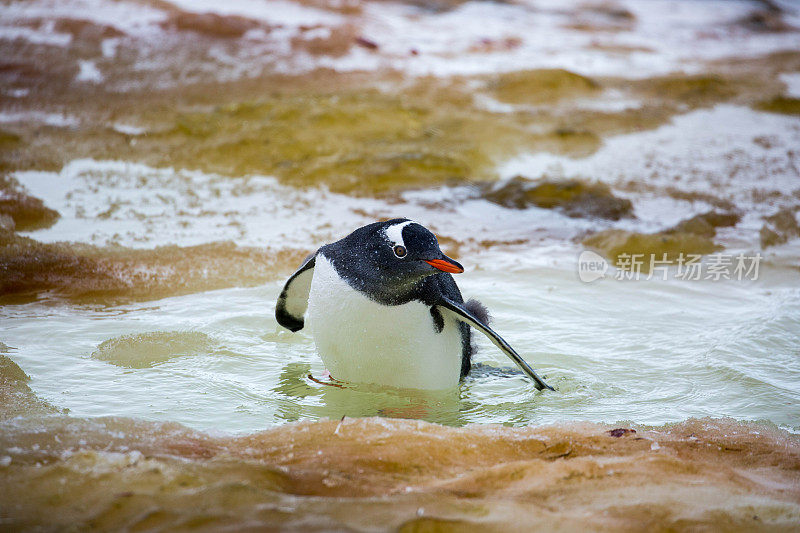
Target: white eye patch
point(395, 233)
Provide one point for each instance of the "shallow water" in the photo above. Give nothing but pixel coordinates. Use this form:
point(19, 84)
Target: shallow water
point(646, 351)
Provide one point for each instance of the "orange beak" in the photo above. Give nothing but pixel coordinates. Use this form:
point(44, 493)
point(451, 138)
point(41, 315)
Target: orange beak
point(446, 265)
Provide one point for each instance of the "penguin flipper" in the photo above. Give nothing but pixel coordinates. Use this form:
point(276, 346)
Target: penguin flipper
point(459, 312)
point(293, 301)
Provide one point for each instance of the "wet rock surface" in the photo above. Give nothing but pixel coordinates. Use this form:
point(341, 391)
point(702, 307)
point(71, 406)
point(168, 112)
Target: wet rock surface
point(210, 24)
point(693, 236)
point(620, 245)
point(350, 473)
point(86, 273)
point(692, 91)
point(10, 372)
point(779, 228)
point(574, 198)
point(16, 396)
point(706, 224)
point(21, 211)
point(143, 350)
point(541, 86)
point(781, 104)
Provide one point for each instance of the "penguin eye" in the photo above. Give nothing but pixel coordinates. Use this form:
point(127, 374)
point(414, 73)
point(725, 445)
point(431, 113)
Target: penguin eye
point(399, 251)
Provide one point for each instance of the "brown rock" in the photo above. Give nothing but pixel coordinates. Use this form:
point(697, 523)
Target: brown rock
point(620, 432)
point(614, 243)
point(779, 228)
point(210, 24)
point(706, 224)
point(26, 212)
point(541, 86)
point(113, 273)
point(574, 198)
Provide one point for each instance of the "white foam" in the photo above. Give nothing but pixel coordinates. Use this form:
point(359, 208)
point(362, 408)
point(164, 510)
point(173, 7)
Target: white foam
point(51, 119)
point(128, 129)
point(34, 35)
point(281, 12)
point(124, 16)
point(109, 47)
point(141, 206)
point(136, 205)
point(664, 36)
point(89, 72)
point(18, 93)
point(792, 81)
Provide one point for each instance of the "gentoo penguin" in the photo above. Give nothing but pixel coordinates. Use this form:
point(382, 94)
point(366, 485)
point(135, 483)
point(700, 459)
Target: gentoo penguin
point(384, 309)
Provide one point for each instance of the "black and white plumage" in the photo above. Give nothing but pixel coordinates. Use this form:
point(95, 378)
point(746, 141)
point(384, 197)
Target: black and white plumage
point(384, 308)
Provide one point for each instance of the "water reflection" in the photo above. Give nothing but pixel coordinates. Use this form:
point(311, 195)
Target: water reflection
point(321, 398)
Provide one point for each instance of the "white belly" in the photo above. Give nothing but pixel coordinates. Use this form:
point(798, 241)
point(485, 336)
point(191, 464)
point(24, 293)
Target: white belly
point(362, 341)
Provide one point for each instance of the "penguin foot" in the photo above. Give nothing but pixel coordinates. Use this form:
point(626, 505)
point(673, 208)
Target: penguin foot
point(329, 380)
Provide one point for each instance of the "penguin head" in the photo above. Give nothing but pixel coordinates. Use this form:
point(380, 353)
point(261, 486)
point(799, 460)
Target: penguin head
point(414, 249)
point(387, 259)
